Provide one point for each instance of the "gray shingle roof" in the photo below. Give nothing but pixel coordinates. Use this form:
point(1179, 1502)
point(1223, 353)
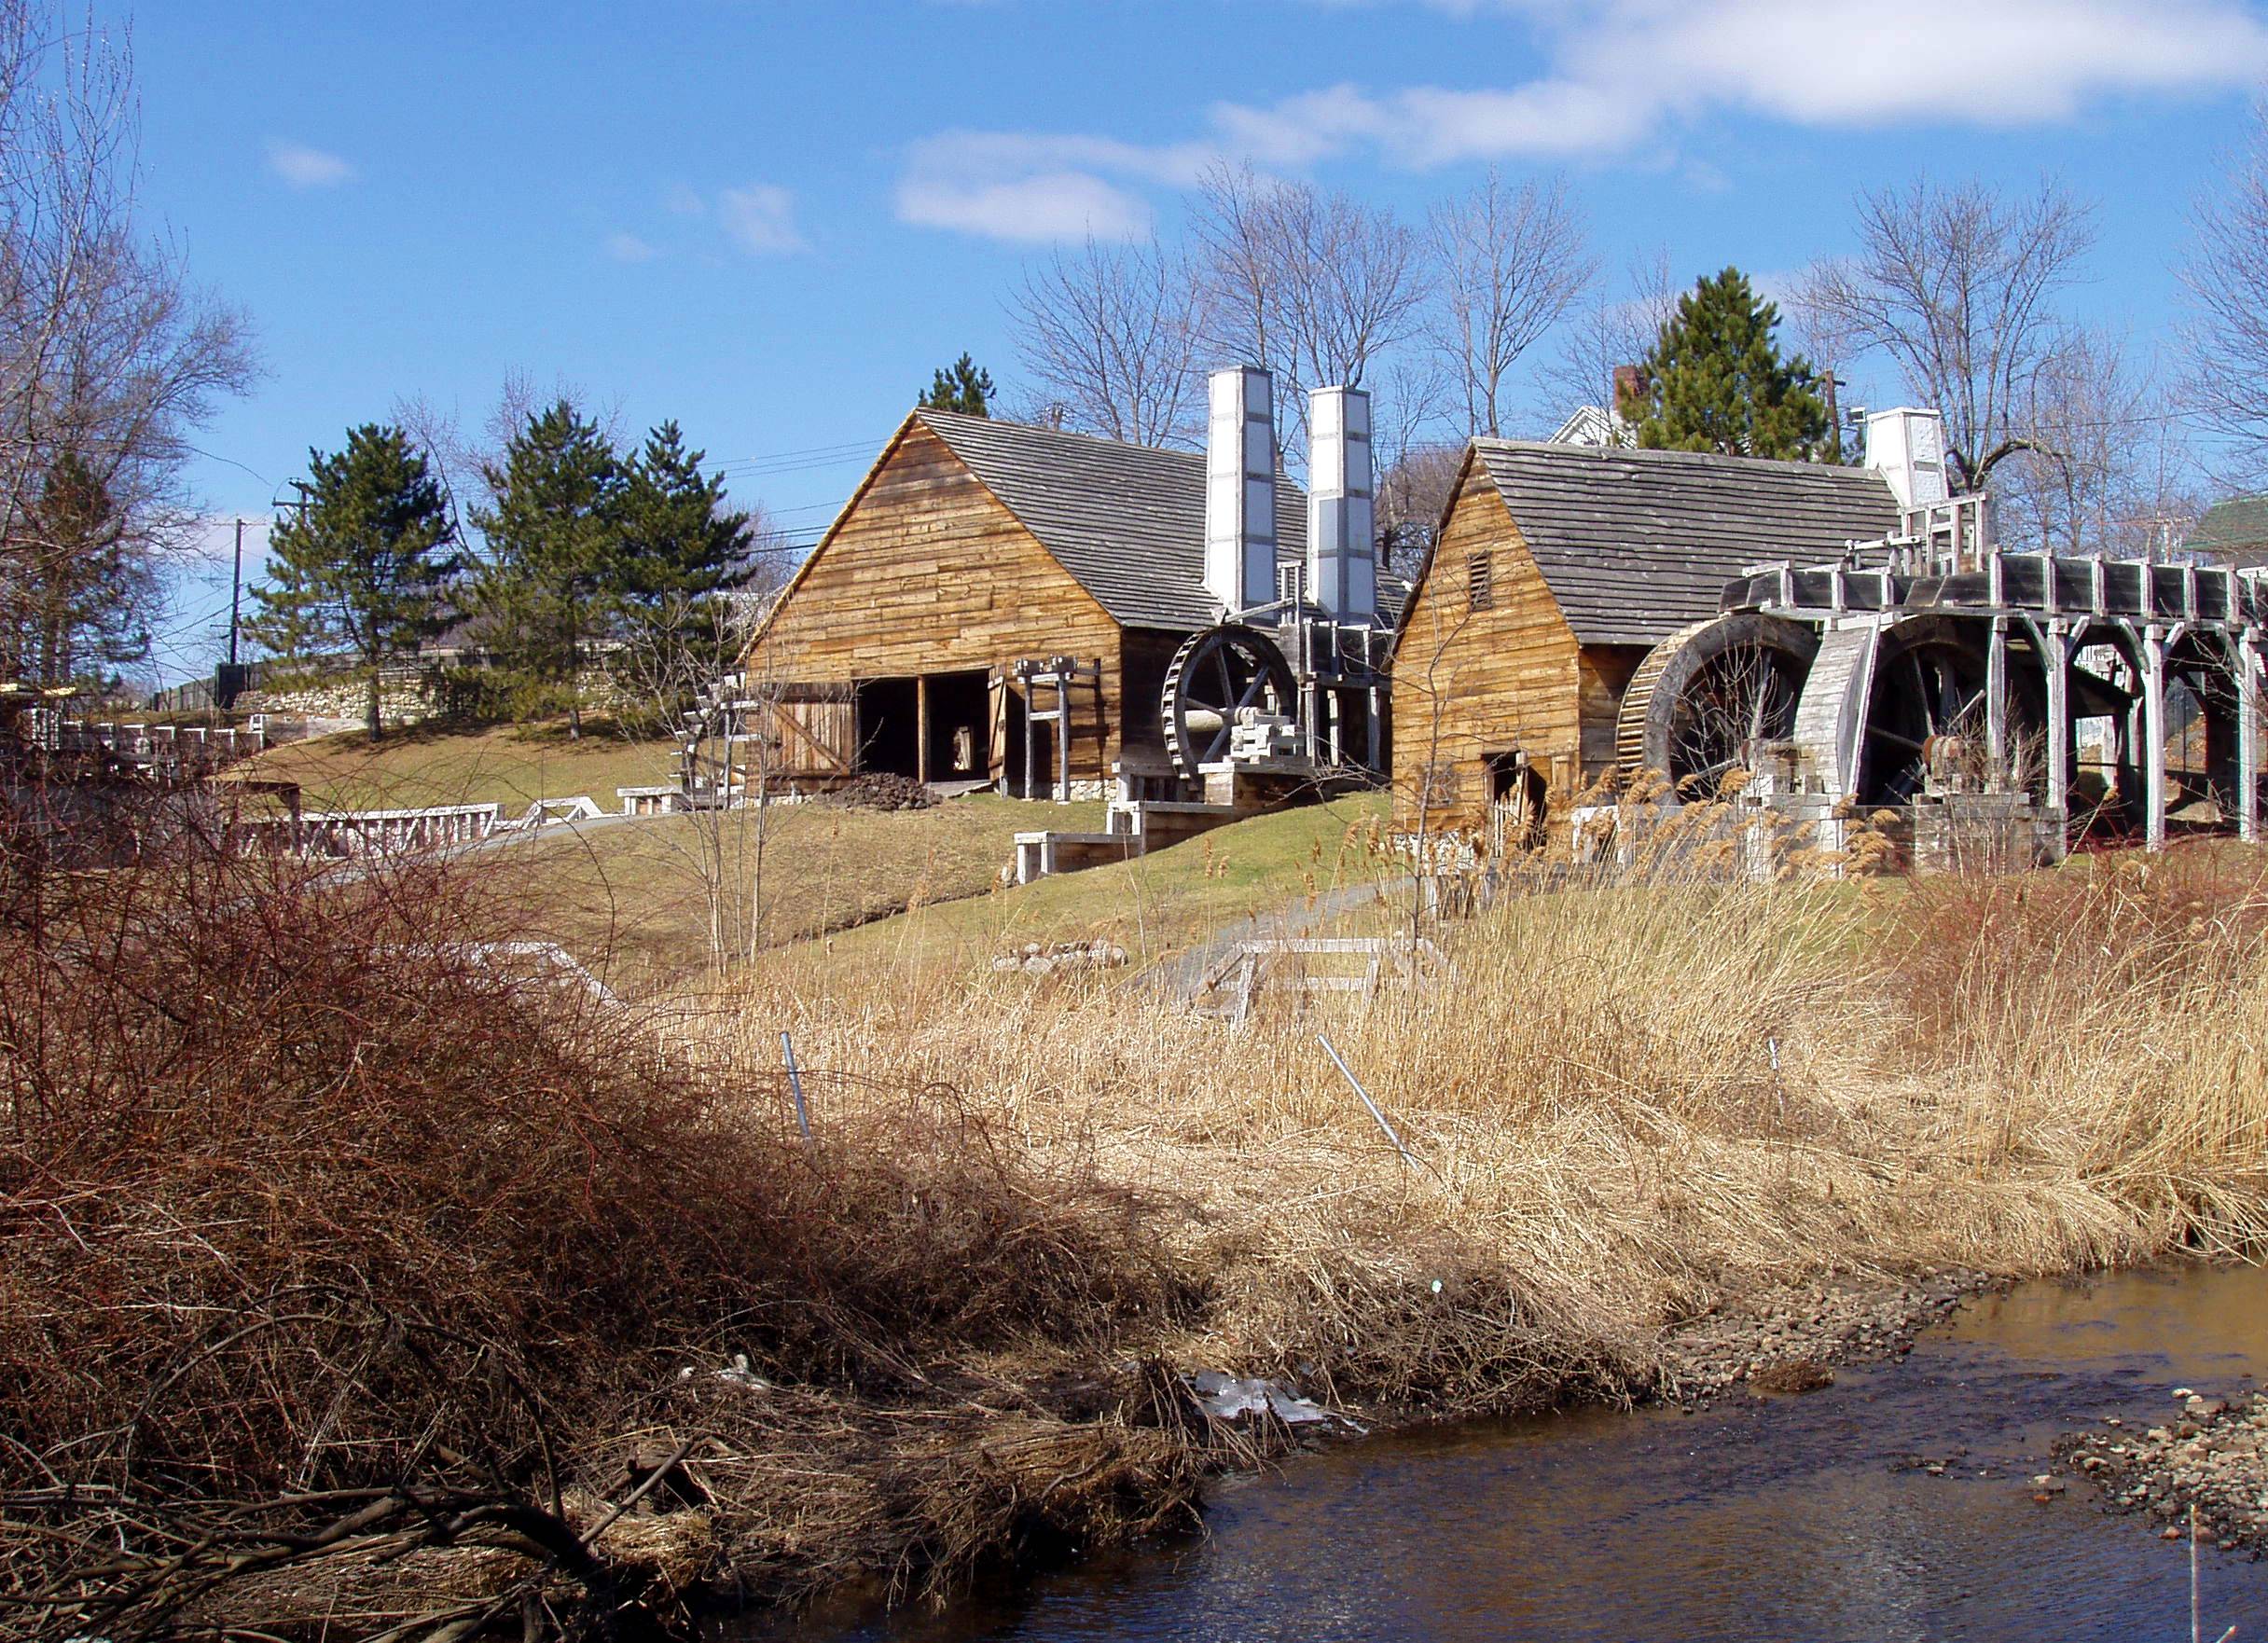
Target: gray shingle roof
point(1127, 520)
point(1637, 543)
point(2234, 530)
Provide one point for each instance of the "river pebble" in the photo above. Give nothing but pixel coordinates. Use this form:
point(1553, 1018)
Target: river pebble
point(2215, 1458)
point(1785, 1341)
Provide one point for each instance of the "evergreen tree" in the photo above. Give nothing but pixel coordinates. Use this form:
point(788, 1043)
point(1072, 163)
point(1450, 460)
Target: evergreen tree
point(550, 587)
point(363, 567)
point(1716, 381)
point(962, 387)
point(685, 550)
point(88, 583)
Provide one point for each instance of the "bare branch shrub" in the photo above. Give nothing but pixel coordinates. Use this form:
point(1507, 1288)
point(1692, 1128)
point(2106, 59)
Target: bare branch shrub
point(332, 1234)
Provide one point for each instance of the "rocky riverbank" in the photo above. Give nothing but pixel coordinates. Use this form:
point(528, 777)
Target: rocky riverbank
point(2211, 1454)
point(1791, 1340)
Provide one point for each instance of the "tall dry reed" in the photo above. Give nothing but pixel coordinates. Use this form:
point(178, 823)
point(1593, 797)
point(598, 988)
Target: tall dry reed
point(1632, 1105)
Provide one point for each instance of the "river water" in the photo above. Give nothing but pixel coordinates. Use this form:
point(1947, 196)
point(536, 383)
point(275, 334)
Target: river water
point(1809, 1517)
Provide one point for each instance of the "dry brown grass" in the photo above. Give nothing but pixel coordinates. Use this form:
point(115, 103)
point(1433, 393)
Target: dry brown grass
point(309, 1214)
point(1635, 1105)
point(333, 1238)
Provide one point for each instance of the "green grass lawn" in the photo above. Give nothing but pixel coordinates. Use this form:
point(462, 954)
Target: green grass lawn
point(1155, 905)
point(417, 766)
point(839, 888)
point(634, 898)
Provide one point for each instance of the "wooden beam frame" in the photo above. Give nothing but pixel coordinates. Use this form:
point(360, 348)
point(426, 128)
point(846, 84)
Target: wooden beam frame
point(2153, 738)
point(2249, 735)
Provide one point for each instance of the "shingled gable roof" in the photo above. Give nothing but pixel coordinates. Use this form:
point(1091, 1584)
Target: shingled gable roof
point(1637, 543)
point(1127, 520)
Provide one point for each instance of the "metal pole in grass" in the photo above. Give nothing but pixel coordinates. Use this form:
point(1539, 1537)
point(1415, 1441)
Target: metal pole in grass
point(795, 1087)
point(1348, 1073)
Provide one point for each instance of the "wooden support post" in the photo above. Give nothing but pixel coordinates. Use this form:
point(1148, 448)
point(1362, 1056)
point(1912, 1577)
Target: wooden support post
point(2249, 735)
point(2153, 737)
point(1995, 701)
point(921, 728)
point(2057, 648)
point(1030, 735)
point(1063, 734)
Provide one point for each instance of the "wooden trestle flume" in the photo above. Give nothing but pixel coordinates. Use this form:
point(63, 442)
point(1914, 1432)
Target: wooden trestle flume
point(1915, 669)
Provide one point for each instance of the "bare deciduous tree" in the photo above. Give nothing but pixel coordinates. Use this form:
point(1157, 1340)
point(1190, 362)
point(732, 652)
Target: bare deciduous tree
point(1110, 335)
point(1413, 493)
point(1619, 328)
point(1957, 288)
point(108, 356)
point(2111, 470)
point(1315, 286)
point(2226, 334)
point(1512, 262)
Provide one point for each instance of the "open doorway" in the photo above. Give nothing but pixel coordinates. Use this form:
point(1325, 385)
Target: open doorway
point(888, 738)
point(960, 726)
point(1519, 795)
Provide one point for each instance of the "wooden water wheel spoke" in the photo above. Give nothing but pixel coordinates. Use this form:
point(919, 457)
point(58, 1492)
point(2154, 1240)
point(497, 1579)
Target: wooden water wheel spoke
point(1215, 675)
point(1705, 700)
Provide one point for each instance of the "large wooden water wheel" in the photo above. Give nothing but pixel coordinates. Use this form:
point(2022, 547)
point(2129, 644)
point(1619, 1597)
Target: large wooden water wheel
point(1706, 698)
point(1215, 674)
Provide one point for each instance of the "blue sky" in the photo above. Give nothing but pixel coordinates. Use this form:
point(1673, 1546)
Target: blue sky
point(772, 221)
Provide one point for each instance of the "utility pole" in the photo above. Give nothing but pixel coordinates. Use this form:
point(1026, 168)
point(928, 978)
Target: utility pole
point(236, 592)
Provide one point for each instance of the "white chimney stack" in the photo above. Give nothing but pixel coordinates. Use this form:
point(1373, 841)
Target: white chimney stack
point(1342, 545)
point(1907, 448)
point(1240, 489)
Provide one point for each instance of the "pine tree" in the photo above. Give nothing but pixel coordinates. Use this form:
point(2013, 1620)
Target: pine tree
point(549, 589)
point(362, 568)
point(1716, 382)
point(962, 387)
point(685, 550)
point(89, 583)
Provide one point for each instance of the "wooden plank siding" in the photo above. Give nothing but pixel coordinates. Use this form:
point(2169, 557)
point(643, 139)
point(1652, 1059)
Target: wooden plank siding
point(927, 571)
point(1469, 683)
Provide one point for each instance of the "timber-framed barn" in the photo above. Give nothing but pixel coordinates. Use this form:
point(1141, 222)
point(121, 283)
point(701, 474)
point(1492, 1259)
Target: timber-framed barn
point(1556, 568)
point(997, 605)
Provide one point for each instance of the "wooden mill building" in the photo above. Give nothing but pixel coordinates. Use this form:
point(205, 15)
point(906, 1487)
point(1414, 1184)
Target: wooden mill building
point(1555, 570)
point(985, 576)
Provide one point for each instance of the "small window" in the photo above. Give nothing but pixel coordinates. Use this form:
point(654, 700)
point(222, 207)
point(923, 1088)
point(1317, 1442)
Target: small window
point(1480, 582)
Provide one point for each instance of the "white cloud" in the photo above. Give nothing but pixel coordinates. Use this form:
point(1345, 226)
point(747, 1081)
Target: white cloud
point(1036, 186)
point(761, 218)
point(1615, 75)
point(306, 168)
point(1052, 205)
point(682, 200)
point(629, 248)
point(1957, 61)
point(1619, 68)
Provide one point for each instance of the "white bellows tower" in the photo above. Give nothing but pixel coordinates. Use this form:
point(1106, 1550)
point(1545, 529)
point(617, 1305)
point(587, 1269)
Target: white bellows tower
point(1342, 545)
point(1907, 448)
point(1241, 488)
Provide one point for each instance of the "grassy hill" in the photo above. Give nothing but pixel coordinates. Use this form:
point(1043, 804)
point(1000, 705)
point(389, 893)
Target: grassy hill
point(1156, 907)
point(633, 897)
point(840, 888)
point(515, 764)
